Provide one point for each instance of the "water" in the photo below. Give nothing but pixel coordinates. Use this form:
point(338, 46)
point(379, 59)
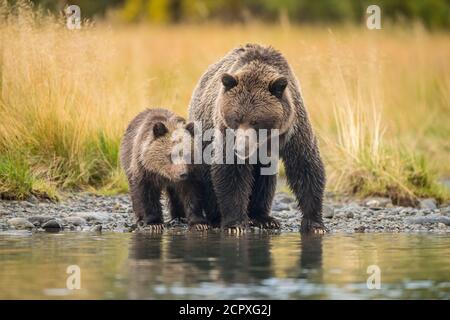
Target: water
point(218, 266)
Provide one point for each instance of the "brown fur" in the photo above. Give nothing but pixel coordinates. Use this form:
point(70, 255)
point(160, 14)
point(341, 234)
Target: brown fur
point(146, 158)
point(253, 86)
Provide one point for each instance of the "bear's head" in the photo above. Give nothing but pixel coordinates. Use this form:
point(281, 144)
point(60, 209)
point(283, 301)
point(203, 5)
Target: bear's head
point(168, 149)
point(255, 97)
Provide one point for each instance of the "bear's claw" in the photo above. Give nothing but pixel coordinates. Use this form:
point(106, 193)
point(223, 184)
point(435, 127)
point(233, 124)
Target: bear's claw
point(235, 230)
point(199, 227)
point(266, 223)
point(155, 227)
point(310, 226)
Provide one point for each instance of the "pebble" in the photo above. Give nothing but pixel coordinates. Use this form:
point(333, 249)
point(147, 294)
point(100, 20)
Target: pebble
point(428, 203)
point(378, 202)
point(328, 211)
point(96, 228)
point(39, 220)
point(432, 218)
point(84, 212)
point(95, 216)
point(20, 223)
point(76, 221)
point(52, 225)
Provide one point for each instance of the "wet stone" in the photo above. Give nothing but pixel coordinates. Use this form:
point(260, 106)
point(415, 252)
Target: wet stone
point(76, 221)
point(39, 220)
point(428, 203)
point(52, 225)
point(432, 218)
point(327, 212)
point(20, 223)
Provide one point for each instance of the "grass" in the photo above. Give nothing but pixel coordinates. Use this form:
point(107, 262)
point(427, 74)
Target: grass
point(379, 100)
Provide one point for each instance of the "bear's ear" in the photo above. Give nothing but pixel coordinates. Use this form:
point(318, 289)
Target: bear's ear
point(277, 87)
point(229, 81)
point(190, 128)
point(159, 129)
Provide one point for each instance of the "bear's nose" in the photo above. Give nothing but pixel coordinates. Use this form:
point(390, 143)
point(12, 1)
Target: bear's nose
point(183, 176)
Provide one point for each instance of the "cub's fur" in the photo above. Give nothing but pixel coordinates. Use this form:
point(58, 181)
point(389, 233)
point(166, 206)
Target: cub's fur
point(146, 156)
point(254, 87)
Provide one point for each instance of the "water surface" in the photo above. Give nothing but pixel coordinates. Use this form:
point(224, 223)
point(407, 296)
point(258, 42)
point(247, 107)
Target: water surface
point(218, 266)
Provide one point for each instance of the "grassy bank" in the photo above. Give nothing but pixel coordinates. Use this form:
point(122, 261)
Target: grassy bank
point(379, 100)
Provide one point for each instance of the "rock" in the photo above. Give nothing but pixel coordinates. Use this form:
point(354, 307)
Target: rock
point(327, 211)
point(350, 215)
point(39, 219)
point(284, 198)
point(33, 199)
point(279, 206)
point(76, 221)
point(27, 204)
point(432, 218)
point(96, 228)
point(52, 225)
point(20, 223)
point(95, 216)
point(428, 203)
point(360, 229)
point(378, 202)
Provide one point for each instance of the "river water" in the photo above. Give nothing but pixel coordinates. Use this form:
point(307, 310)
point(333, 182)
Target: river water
point(177, 265)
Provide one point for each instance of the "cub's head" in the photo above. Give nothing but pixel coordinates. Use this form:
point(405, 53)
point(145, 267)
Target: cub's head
point(256, 97)
point(168, 149)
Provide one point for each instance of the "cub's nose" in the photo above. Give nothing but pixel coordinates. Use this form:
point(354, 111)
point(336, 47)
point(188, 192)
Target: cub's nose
point(183, 176)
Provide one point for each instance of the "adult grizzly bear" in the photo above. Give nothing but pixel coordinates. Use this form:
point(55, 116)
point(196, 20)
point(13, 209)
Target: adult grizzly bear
point(150, 158)
point(254, 87)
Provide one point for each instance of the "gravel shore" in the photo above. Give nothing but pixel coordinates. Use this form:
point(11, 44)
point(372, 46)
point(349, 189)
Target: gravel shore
point(87, 212)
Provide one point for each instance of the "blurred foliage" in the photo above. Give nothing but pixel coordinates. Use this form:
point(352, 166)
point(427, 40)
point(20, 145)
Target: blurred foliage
point(432, 13)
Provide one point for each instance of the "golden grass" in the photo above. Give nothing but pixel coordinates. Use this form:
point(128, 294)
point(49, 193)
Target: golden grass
point(379, 100)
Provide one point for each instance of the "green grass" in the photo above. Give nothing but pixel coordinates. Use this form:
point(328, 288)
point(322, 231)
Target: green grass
point(17, 180)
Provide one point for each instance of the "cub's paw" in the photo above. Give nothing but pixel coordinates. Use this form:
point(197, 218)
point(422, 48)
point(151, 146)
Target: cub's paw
point(310, 226)
point(199, 227)
point(265, 223)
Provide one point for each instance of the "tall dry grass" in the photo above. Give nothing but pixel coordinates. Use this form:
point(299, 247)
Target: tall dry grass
point(379, 100)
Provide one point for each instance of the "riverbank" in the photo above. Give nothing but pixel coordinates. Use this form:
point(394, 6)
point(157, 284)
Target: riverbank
point(88, 212)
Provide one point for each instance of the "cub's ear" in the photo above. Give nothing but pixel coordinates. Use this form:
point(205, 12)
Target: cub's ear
point(229, 81)
point(277, 87)
point(159, 129)
point(190, 128)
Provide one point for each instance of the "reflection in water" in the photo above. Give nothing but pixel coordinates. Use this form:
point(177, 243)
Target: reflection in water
point(214, 265)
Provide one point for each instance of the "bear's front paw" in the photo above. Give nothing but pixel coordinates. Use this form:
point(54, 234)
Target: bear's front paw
point(151, 227)
point(265, 223)
point(311, 226)
point(199, 227)
point(236, 230)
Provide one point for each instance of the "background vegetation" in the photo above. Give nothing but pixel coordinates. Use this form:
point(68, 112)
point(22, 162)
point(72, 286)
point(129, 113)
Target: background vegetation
point(432, 13)
point(379, 100)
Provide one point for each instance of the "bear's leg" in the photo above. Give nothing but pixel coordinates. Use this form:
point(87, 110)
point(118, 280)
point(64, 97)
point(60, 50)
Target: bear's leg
point(209, 200)
point(193, 207)
point(261, 201)
point(176, 207)
point(146, 199)
point(233, 185)
point(306, 177)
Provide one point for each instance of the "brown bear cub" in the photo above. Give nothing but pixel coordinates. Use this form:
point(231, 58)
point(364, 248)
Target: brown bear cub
point(152, 167)
point(253, 87)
